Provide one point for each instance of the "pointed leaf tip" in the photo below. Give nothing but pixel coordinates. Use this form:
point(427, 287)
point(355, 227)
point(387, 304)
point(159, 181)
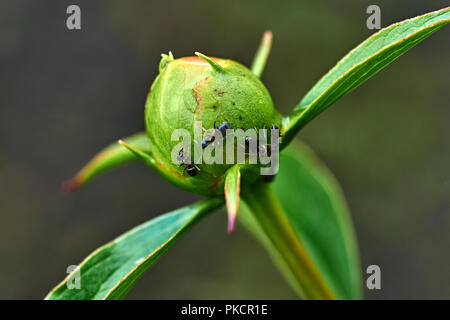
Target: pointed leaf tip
point(217, 67)
point(132, 149)
point(70, 185)
point(231, 223)
point(143, 154)
point(232, 191)
point(262, 54)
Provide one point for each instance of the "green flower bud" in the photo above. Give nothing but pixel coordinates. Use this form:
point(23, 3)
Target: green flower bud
point(212, 91)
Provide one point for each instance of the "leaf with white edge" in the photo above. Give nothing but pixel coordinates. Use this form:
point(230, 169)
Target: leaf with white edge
point(112, 270)
point(360, 64)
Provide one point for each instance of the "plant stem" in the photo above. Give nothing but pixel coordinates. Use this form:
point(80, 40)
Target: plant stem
point(281, 237)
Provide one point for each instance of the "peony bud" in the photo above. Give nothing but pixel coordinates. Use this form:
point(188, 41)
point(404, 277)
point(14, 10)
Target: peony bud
point(212, 91)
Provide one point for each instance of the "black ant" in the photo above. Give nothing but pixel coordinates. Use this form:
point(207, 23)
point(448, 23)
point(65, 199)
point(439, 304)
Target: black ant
point(222, 128)
point(190, 168)
point(204, 144)
point(269, 178)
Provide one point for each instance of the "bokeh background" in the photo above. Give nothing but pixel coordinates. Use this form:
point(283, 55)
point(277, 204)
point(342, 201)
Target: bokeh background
point(66, 94)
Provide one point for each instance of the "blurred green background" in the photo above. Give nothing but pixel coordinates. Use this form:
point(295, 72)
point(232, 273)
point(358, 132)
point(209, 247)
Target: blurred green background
point(66, 94)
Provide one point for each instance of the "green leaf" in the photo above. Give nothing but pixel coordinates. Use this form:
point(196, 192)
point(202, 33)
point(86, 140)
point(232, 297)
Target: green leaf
point(360, 64)
point(260, 59)
point(313, 211)
point(110, 157)
point(232, 191)
point(111, 271)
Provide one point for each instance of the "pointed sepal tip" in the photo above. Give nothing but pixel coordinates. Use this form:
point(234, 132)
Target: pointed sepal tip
point(217, 67)
point(70, 185)
point(232, 195)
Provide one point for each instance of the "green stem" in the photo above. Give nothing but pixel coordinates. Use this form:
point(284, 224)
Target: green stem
point(272, 219)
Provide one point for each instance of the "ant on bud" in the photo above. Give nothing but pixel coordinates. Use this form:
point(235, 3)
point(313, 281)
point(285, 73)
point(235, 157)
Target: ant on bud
point(190, 168)
point(222, 128)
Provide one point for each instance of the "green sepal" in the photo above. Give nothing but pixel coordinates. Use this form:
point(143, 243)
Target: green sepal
point(261, 56)
point(232, 194)
point(110, 157)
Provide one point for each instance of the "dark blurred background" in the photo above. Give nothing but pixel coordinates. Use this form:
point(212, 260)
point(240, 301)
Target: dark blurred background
point(66, 94)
